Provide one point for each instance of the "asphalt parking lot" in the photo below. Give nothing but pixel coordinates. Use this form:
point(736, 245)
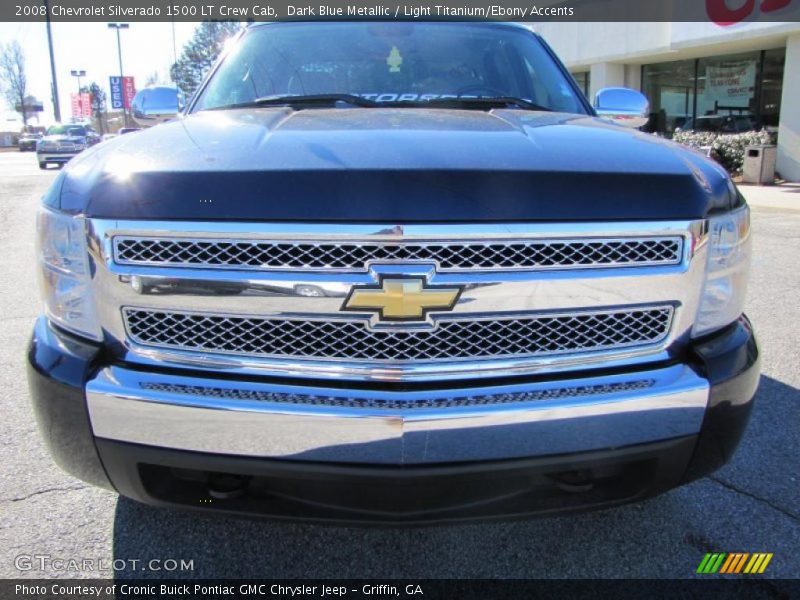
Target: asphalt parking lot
point(752, 505)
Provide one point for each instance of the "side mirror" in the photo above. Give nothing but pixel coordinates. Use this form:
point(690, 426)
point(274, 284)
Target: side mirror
point(622, 106)
point(155, 105)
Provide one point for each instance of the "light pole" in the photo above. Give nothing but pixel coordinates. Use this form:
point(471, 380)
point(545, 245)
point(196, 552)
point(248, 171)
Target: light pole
point(119, 26)
point(78, 75)
point(54, 86)
point(174, 45)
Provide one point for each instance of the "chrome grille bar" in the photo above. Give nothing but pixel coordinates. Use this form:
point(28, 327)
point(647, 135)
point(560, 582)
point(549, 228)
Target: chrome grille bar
point(351, 340)
point(267, 313)
point(581, 253)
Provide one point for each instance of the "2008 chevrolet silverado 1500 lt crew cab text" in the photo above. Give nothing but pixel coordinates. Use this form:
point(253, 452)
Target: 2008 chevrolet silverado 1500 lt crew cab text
point(393, 272)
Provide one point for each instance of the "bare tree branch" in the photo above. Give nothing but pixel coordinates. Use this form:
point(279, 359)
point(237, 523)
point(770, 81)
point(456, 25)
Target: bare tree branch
point(13, 79)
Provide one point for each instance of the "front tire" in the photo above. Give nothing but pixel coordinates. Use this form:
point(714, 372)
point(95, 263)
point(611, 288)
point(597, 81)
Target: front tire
point(43, 166)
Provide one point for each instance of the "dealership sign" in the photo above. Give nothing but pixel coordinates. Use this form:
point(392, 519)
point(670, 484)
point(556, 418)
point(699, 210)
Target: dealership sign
point(123, 90)
point(730, 81)
point(81, 105)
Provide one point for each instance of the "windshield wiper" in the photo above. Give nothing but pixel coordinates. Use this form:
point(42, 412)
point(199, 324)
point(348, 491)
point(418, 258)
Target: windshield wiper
point(484, 103)
point(295, 100)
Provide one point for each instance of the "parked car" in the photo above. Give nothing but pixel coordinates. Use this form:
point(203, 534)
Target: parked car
point(721, 124)
point(27, 142)
point(496, 300)
point(125, 130)
point(63, 142)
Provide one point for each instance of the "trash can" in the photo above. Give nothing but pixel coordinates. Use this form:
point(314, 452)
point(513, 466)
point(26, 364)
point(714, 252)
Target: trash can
point(759, 164)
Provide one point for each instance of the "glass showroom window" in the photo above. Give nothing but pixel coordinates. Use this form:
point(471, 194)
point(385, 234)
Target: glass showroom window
point(723, 94)
point(670, 89)
point(727, 87)
point(583, 79)
point(772, 87)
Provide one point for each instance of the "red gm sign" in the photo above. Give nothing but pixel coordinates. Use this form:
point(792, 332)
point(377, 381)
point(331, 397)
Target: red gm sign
point(719, 12)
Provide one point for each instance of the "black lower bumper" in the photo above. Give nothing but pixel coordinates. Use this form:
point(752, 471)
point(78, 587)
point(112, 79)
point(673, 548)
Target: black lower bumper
point(279, 489)
point(60, 365)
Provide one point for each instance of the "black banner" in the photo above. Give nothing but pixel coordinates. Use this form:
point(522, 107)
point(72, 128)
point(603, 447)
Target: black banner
point(724, 12)
point(469, 589)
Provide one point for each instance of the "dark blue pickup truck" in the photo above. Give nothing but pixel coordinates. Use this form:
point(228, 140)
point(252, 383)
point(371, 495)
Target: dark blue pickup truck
point(397, 273)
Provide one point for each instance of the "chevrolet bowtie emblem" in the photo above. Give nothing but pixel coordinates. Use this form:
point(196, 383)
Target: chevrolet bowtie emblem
point(401, 299)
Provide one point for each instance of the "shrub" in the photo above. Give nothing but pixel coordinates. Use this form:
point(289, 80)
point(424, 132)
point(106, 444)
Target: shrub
point(726, 149)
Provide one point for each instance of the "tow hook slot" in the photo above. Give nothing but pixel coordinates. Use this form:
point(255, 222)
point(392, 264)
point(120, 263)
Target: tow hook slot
point(225, 486)
point(574, 481)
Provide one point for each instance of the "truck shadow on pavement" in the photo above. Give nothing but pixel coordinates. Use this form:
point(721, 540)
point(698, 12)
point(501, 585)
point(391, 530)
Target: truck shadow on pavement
point(751, 503)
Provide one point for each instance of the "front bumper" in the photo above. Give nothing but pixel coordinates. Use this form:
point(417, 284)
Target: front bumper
point(53, 156)
point(157, 436)
point(374, 426)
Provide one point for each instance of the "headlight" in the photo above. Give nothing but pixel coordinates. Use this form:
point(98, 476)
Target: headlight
point(65, 277)
point(729, 250)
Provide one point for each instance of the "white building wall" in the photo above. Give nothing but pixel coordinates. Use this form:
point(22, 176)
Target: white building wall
point(605, 75)
point(789, 129)
point(581, 45)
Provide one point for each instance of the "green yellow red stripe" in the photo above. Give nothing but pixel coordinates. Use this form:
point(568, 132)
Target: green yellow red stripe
point(730, 563)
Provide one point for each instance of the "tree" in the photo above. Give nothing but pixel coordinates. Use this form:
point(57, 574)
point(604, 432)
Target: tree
point(98, 104)
point(200, 52)
point(13, 80)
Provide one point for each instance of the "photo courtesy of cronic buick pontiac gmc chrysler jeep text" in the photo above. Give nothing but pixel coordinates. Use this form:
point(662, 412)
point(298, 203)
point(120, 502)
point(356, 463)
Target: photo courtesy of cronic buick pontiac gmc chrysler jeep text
point(395, 273)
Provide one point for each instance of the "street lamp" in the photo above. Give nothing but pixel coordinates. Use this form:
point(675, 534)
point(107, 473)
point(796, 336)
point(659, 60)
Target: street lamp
point(78, 75)
point(119, 26)
point(54, 84)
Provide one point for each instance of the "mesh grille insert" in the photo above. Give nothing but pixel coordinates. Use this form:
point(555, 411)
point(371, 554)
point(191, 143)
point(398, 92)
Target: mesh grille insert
point(255, 254)
point(351, 340)
point(236, 394)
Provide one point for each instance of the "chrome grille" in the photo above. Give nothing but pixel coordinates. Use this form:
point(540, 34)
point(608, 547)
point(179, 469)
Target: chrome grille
point(391, 404)
point(352, 340)
point(527, 254)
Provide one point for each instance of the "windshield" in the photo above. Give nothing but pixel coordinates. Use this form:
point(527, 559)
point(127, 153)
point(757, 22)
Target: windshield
point(66, 130)
point(390, 62)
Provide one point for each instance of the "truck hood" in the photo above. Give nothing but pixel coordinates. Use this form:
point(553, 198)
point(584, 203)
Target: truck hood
point(392, 165)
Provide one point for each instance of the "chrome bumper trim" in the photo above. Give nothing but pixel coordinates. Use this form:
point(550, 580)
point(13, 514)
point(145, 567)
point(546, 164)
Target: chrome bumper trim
point(56, 156)
point(368, 426)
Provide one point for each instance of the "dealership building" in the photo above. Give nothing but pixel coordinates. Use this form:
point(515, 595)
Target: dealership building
point(691, 70)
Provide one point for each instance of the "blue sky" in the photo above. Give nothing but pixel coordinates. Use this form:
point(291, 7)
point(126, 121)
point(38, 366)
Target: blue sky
point(146, 48)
